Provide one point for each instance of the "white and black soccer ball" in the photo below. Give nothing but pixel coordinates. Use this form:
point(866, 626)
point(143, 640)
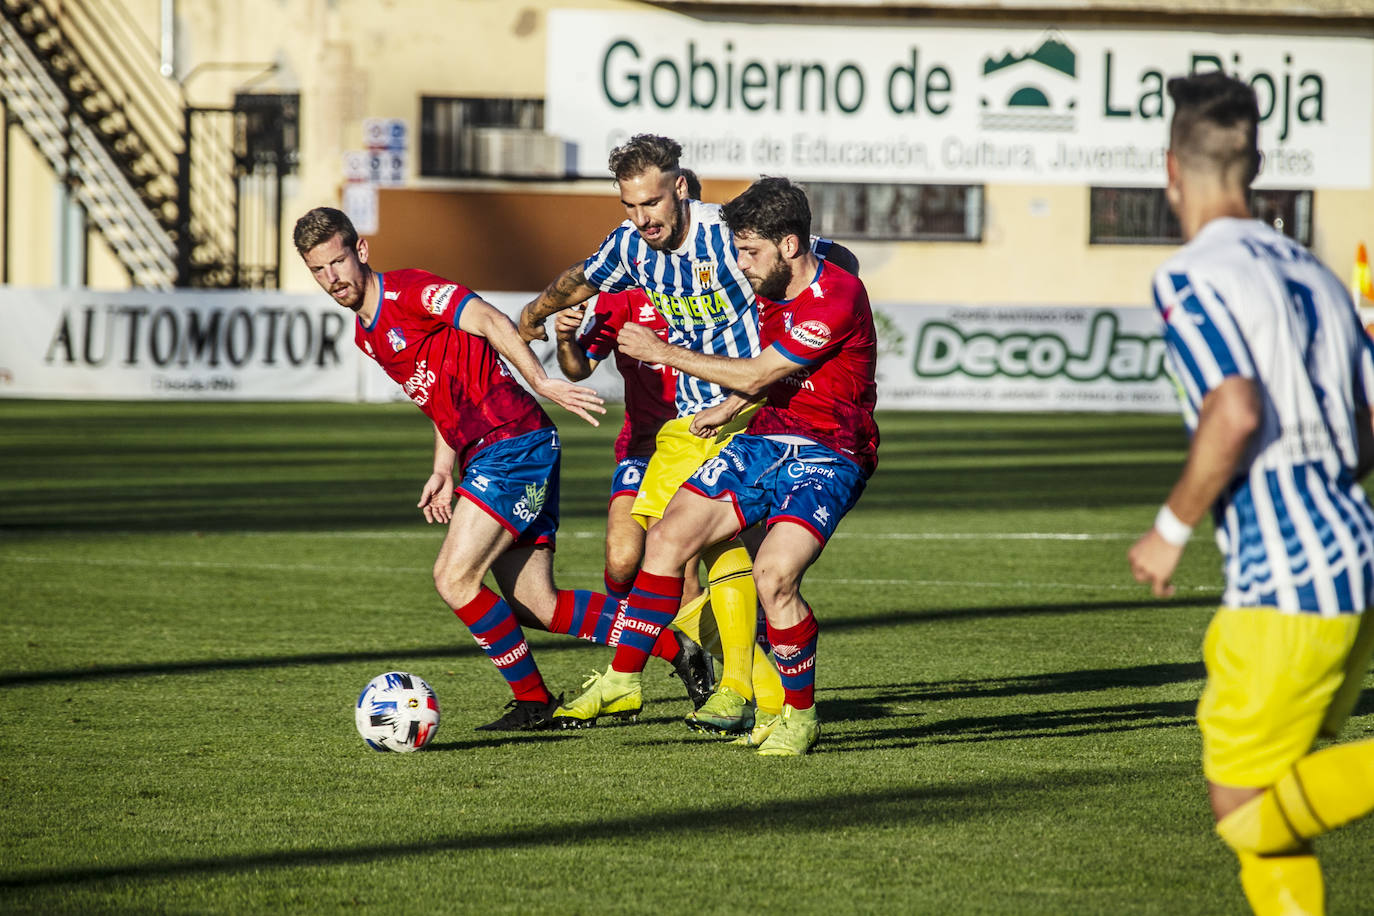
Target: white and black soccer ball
point(397, 712)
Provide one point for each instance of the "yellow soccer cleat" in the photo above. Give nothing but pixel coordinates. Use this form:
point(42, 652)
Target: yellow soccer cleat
point(615, 693)
point(764, 723)
point(725, 713)
point(796, 733)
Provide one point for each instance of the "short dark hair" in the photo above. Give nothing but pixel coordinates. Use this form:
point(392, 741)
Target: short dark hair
point(771, 208)
point(319, 226)
point(693, 183)
point(1216, 124)
point(644, 151)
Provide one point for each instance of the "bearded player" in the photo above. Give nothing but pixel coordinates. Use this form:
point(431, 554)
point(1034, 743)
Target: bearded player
point(445, 346)
point(800, 466)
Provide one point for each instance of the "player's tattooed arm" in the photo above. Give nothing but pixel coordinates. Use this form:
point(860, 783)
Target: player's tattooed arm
point(568, 289)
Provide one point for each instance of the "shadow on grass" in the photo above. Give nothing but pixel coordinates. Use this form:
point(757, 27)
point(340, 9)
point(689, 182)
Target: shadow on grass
point(1030, 684)
point(542, 646)
point(1065, 723)
point(893, 808)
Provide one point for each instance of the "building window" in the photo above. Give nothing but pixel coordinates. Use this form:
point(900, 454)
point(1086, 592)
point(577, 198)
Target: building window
point(489, 138)
point(1141, 216)
point(896, 212)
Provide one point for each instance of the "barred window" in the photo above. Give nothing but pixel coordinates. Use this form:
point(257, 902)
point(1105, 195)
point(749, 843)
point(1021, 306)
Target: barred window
point(470, 137)
point(896, 212)
point(1141, 216)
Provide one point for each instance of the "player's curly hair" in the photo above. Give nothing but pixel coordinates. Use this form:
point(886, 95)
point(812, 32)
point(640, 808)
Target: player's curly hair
point(641, 152)
point(1216, 124)
point(770, 208)
point(319, 226)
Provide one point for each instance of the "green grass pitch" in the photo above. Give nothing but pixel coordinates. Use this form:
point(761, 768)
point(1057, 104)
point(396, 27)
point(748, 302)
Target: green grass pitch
point(194, 594)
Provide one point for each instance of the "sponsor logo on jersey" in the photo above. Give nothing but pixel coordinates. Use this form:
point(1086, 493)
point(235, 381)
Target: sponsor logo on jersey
point(417, 386)
point(811, 333)
point(367, 348)
point(392, 294)
point(821, 515)
point(396, 339)
point(531, 504)
point(435, 297)
point(480, 482)
point(646, 313)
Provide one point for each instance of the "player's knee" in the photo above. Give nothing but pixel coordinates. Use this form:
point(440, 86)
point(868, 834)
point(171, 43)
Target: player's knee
point(669, 545)
point(454, 587)
point(775, 586)
point(622, 561)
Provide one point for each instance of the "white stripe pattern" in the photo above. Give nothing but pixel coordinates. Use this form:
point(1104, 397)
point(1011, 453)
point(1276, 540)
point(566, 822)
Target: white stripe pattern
point(1295, 528)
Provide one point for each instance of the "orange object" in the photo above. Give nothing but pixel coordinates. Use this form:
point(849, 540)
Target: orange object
point(1360, 285)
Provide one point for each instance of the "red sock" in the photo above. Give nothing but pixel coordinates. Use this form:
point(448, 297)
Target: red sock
point(498, 633)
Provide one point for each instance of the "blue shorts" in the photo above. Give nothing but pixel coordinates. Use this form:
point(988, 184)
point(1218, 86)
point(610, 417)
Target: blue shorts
point(629, 474)
point(515, 481)
point(810, 485)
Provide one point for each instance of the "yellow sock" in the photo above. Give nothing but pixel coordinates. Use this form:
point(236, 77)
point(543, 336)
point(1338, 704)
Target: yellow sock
point(690, 618)
point(734, 602)
point(768, 695)
point(1283, 885)
point(1321, 792)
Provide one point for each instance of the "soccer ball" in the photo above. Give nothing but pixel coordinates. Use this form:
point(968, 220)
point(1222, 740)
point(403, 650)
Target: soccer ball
point(397, 712)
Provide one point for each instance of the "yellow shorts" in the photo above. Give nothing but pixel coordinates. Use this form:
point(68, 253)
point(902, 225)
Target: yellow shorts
point(677, 454)
point(1275, 682)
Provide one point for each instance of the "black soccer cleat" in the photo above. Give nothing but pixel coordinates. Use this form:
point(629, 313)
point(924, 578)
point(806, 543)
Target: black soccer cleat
point(524, 716)
point(693, 664)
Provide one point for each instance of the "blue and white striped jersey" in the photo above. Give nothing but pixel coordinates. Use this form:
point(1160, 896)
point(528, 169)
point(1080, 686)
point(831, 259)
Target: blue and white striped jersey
point(1295, 528)
point(698, 288)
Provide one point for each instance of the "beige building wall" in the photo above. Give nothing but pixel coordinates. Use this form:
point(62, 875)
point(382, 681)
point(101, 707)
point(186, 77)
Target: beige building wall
point(355, 59)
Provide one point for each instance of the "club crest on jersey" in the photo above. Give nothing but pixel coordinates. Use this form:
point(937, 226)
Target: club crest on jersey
point(435, 297)
point(396, 339)
point(811, 333)
point(705, 273)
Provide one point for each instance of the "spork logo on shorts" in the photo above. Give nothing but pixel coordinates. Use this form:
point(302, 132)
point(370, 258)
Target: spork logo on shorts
point(531, 504)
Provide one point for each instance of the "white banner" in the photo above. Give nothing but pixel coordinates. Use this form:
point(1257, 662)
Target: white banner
point(900, 102)
point(241, 345)
point(265, 346)
point(1021, 358)
point(203, 345)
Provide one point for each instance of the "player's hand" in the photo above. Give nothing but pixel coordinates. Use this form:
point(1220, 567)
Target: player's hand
point(638, 342)
point(566, 322)
point(574, 398)
point(529, 328)
point(707, 424)
point(1153, 561)
point(436, 498)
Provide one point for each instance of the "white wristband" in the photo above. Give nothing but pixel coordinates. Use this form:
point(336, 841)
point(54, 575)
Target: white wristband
point(1170, 528)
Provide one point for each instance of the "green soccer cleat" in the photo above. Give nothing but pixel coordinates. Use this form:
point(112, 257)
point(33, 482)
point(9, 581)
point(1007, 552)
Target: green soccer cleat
point(796, 733)
point(615, 694)
point(725, 713)
point(764, 723)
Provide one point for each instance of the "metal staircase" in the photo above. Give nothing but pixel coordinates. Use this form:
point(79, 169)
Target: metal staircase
point(161, 181)
point(83, 124)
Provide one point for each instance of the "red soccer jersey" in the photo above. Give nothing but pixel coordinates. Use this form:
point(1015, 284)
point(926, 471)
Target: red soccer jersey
point(828, 329)
point(650, 388)
point(457, 379)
